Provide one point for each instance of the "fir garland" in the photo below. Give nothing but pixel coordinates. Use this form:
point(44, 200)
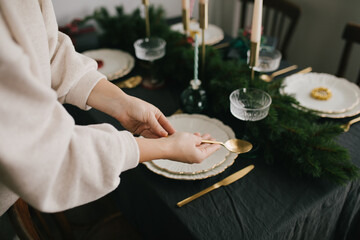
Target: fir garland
point(308, 146)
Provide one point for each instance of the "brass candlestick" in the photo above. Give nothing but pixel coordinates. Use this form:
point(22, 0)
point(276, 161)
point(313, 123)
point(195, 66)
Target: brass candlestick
point(203, 13)
point(186, 20)
point(254, 55)
point(147, 21)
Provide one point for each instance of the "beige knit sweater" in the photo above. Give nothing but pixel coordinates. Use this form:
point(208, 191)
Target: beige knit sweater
point(44, 157)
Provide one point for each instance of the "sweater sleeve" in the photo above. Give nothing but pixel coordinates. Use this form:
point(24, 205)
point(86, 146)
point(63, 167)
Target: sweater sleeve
point(73, 75)
point(44, 157)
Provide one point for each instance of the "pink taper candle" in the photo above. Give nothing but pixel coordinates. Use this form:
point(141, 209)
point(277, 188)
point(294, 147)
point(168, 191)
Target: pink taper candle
point(256, 21)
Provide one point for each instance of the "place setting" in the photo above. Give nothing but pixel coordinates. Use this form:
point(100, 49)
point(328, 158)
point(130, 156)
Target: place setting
point(113, 63)
point(324, 94)
point(213, 165)
point(211, 33)
point(116, 64)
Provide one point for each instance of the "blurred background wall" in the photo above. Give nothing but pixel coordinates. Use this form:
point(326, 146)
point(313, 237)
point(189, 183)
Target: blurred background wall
point(317, 41)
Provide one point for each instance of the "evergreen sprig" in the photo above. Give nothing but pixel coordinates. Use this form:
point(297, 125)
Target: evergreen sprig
point(291, 137)
point(288, 136)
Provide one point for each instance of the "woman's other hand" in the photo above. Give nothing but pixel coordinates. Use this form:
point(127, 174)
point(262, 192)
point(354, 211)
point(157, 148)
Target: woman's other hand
point(180, 146)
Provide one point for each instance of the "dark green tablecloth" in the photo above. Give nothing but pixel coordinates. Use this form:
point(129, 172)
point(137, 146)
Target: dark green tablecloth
point(268, 203)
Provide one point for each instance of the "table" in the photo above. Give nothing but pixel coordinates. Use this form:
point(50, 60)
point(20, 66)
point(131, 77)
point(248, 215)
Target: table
point(268, 203)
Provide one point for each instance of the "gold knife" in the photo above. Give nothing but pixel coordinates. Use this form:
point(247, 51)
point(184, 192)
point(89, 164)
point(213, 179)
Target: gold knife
point(226, 181)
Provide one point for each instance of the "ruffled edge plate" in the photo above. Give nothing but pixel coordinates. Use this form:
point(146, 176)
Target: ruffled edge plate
point(345, 94)
point(213, 34)
point(220, 166)
point(117, 63)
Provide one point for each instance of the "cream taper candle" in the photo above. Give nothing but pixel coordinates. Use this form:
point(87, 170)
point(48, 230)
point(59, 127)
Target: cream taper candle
point(185, 4)
point(256, 21)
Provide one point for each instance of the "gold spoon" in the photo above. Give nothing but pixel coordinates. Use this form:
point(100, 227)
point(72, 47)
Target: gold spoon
point(269, 78)
point(305, 70)
point(346, 126)
point(234, 145)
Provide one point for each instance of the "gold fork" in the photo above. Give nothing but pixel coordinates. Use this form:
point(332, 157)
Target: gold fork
point(346, 126)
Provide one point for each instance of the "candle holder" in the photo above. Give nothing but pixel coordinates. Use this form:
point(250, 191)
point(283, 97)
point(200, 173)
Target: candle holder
point(203, 22)
point(193, 99)
point(254, 55)
point(147, 20)
point(203, 15)
point(186, 20)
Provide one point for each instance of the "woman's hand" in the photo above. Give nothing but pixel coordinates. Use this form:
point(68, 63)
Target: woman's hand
point(134, 114)
point(142, 118)
point(180, 146)
point(187, 147)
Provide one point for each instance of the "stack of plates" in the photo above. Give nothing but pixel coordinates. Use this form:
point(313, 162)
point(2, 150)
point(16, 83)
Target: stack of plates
point(213, 165)
point(213, 34)
point(115, 63)
point(344, 102)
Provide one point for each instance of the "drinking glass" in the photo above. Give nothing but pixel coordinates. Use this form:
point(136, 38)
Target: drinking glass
point(249, 105)
point(269, 59)
point(150, 49)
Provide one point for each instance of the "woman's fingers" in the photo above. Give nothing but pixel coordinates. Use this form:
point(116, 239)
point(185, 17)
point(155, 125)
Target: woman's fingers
point(210, 149)
point(164, 122)
point(206, 136)
point(156, 128)
point(160, 126)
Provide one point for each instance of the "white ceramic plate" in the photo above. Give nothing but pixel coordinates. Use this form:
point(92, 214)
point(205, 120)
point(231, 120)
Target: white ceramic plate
point(116, 63)
point(350, 113)
point(213, 34)
point(345, 94)
point(211, 166)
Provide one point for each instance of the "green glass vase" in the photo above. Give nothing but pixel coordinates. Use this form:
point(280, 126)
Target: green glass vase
point(193, 99)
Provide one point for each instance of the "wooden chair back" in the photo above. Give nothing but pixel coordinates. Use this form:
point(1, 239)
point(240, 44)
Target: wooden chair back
point(31, 224)
point(22, 221)
point(280, 18)
point(351, 35)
